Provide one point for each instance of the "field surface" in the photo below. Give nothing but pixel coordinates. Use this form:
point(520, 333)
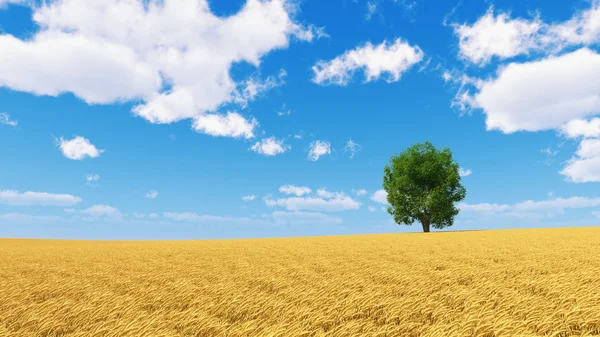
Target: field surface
point(535, 282)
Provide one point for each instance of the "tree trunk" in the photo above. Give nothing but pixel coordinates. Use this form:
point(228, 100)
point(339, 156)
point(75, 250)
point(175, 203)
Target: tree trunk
point(425, 223)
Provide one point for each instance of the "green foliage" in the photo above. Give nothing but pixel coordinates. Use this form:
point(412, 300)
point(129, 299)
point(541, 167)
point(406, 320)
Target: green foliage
point(423, 184)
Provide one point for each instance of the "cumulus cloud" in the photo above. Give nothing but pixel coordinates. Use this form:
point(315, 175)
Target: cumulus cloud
point(249, 197)
point(581, 128)
point(372, 209)
point(318, 148)
point(464, 172)
point(556, 90)
point(380, 196)
point(297, 190)
point(15, 198)
point(541, 95)
point(585, 165)
point(270, 147)
point(174, 56)
point(498, 36)
point(78, 148)
point(352, 147)
point(5, 117)
point(325, 201)
point(391, 59)
point(503, 37)
point(151, 194)
point(230, 125)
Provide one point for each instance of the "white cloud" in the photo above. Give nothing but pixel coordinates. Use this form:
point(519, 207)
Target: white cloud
point(447, 76)
point(284, 111)
point(14, 218)
point(589, 148)
point(151, 194)
point(14, 198)
point(138, 215)
point(318, 148)
point(392, 59)
point(92, 178)
point(98, 211)
point(496, 36)
point(270, 147)
point(210, 219)
point(556, 90)
point(550, 154)
point(548, 151)
point(581, 128)
point(464, 172)
point(5, 117)
point(583, 28)
point(69, 210)
point(585, 165)
point(360, 193)
point(371, 9)
point(253, 87)
point(249, 197)
point(153, 216)
point(502, 37)
point(542, 95)
point(4, 3)
point(297, 190)
point(560, 203)
point(230, 125)
point(372, 209)
point(483, 207)
point(78, 148)
point(463, 99)
point(529, 208)
point(132, 50)
point(380, 196)
point(304, 218)
point(324, 193)
point(325, 202)
point(352, 147)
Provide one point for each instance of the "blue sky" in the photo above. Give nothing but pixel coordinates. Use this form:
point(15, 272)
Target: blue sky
point(187, 119)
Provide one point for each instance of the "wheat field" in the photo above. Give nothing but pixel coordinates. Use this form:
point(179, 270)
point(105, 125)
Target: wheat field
point(534, 282)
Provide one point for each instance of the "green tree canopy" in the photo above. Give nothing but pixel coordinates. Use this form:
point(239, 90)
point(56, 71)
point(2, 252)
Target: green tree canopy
point(422, 184)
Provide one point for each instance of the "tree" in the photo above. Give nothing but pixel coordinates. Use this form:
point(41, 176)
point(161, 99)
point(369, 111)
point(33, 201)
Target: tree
point(423, 183)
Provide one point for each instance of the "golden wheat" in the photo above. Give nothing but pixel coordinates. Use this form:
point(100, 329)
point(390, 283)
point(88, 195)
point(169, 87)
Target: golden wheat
point(535, 282)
